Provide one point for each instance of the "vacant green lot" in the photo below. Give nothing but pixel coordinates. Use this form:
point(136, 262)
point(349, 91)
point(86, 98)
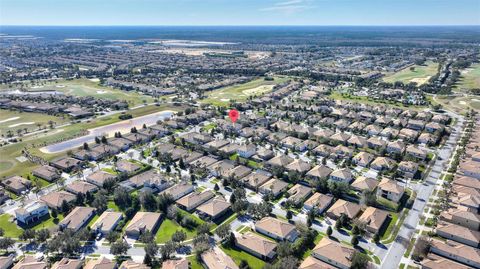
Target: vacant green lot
point(238, 255)
point(470, 78)
point(420, 74)
point(10, 229)
point(240, 92)
point(17, 122)
point(34, 142)
point(168, 228)
point(86, 87)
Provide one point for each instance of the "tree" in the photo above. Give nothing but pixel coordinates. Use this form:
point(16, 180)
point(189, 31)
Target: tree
point(355, 230)
point(147, 199)
point(27, 235)
point(112, 237)
point(216, 187)
point(6, 243)
point(122, 198)
point(223, 231)
point(284, 249)
point(203, 228)
point(2, 232)
point(329, 231)
point(65, 207)
point(376, 238)
point(100, 202)
point(422, 247)
point(354, 240)
point(119, 248)
point(151, 249)
point(42, 235)
point(179, 236)
point(147, 237)
point(167, 249)
point(289, 215)
point(359, 260)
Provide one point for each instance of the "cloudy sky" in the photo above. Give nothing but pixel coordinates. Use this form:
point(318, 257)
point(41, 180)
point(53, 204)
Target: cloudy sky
point(239, 12)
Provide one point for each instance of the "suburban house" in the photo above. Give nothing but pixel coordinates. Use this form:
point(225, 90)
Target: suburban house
point(214, 208)
point(98, 178)
point(107, 222)
point(100, 263)
point(279, 161)
point(66, 164)
point(176, 264)
point(277, 229)
point(298, 166)
point(298, 193)
point(246, 150)
point(416, 152)
point(274, 186)
point(17, 184)
point(363, 159)
point(433, 261)
point(77, 218)
point(124, 166)
point(6, 262)
point(408, 168)
point(66, 263)
point(313, 263)
point(193, 200)
point(462, 216)
point(459, 234)
point(396, 147)
point(390, 189)
point(333, 253)
point(383, 163)
point(374, 219)
point(46, 172)
point(319, 172)
point(256, 179)
point(342, 207)
point(363, 183)
point(55, 199)
point(30, 261)
point(141, 222)
point(80, 186)
point(31, 213)
point(129, 264)
point(179, 190)
point(215, 258)
point(457, 252)
point(318, 201)
point(343, 175)
point(256, 245)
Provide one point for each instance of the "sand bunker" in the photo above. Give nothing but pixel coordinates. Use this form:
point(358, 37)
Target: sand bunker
point(258, 90)
point(20, 124)
point(420, 81)
point(60, 86)
point(462, 102)
point(101, 92)
point(94, 79)
point(224, 100)
point(9, 119)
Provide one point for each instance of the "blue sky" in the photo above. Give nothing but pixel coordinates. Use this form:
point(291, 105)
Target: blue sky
point(239, 12)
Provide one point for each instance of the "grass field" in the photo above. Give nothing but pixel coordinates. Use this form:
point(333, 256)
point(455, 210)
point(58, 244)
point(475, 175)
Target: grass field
point(168, 228)
point(470, 78)
point(240, 92)
point(11, 120)
point(10, 229)
point(86, 87)
point(9, 153)
point(364, 100)
point(458, 104)
point(238, 255)
point(420, 74)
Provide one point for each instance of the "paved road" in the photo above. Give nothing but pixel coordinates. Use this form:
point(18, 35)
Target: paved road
point(399, 246)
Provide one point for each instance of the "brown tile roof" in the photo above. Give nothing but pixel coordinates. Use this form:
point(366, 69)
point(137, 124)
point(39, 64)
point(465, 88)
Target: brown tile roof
point(217, 259)
point(373, 218)
point(312, 263)
point(66, 263)
point(433, 261)
point(214, 206)
point(100, 263)
point(55, 199)
point(364, 183)
point(456, 249)
point(275, 226)
point(175, 264)
point(351, 210)
point(256, 243)
point(143, 221)
point(334, 251)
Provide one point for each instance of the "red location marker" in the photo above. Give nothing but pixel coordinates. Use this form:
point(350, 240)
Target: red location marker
point(233, 114)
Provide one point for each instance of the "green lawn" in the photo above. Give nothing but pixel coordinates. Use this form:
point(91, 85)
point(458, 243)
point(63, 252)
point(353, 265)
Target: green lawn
point(241, 92)
point(420, 74)
point(86, 87)
point(194, 264)
point(470, 78)
point(48, 222)
point(112, 205)
point(238, 255)
point(10, 152)
point(391, 225)
point(10, 229)
point(168, 228)
point(92, 221)
point(12, 120)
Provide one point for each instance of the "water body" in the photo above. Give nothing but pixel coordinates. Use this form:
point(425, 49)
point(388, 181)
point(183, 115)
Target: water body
point(107, 130)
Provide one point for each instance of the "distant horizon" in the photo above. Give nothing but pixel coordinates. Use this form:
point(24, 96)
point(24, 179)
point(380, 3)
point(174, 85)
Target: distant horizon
point(240, 25)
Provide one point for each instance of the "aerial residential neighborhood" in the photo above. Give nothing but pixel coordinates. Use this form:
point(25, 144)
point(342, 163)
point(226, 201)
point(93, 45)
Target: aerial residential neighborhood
point(134, 136)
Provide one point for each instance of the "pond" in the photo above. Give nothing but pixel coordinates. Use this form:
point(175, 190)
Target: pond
point(108, 131)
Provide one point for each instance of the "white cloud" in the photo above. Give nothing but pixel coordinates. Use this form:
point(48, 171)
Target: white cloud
point(289, 7)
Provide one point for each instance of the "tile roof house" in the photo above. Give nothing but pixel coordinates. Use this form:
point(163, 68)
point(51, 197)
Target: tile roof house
point(193, 200)
point(141, 222)
point(280, 161)
point(107, 222)
point(459, 234)
point(66, 263)
point(390, 189)
point(214, 208)
point(396, 147)
point(277, 229)
point(55, 199)
point(408, 168)
point(179, 190)
point(100, 263)
point(76, 219)
point(298, 166)
point(221, 168)
point(343, 175)
point(31, 213)
point(99, 178)
point(274, 186)
point(17, 184)
point(256, 245)
point(246, 150)
point(47, 172)
point(256, 179)
point(319, 172)
point(30, 262)
point(129, 264)
point(458, 252)
point(383, 163)
point(176, 264)
point(433, 261)
point(313, 263)
point(374, 219)
point(349, 209)
point(363, 159)
point(66, 164)
point(362, 183)
point(6, 261)
point(333, 253)
point(298, 193)
point(125, 166)
point(318, 201)
point(80, 186)
point(215, 258)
